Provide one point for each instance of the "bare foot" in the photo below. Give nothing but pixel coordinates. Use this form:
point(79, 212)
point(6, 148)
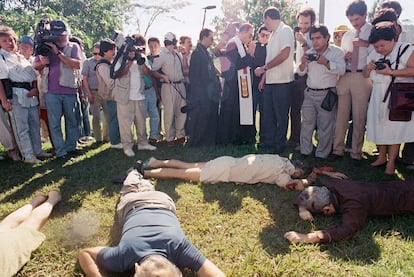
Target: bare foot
point(38, 198)
point(54, 196)
point(152, 162)
point(379, 162)
point(389, 169)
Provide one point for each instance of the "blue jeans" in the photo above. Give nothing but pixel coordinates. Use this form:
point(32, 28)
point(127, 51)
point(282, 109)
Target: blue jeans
point(56, 104)
point(114, 136)
point(276, 104)
point(152, 110)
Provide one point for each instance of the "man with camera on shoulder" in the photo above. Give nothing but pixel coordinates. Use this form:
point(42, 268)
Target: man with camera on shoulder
point(58, 65)
point(323, 63)
point(129, 95)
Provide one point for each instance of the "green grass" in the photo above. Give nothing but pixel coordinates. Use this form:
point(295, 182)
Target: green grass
point(239, 227)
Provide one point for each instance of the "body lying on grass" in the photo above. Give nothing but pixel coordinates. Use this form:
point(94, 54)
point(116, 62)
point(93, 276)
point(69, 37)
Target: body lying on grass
point(152, 242)
point(249, 169)
point(355, 200)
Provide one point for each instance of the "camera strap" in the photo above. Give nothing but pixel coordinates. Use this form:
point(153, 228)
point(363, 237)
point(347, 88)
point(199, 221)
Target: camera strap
point(397, 62)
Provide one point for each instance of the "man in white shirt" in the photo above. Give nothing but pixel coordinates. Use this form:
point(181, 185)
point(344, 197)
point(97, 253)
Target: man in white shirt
point(278, 79)
point(353, 88)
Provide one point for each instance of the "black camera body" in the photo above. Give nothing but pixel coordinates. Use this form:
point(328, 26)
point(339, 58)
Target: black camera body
point(312, 57)
point(42, 35)
point(380, 64)
point(296, 29)
point(130, 47)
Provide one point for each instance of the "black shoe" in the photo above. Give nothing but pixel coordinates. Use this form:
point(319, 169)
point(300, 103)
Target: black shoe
point(118, 180)
point(139, 166)
point(75, 153)
point(334, 157)
point(64, 158)
point(304, 156)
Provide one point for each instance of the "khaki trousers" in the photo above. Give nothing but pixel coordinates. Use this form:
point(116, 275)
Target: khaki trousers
point(353, 95)
point(133, 112)
point(174, 119)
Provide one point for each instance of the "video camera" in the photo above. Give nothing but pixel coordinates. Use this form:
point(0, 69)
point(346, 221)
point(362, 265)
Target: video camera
point(127, 44)
point(43, 34)
point(313, 57)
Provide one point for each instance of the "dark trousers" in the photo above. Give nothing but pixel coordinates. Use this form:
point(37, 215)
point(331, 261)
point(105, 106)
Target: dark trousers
point(299, 86)
point(276, 104)
point(408, 153)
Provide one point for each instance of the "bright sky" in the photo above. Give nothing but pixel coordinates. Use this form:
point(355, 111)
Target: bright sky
point(191, 17)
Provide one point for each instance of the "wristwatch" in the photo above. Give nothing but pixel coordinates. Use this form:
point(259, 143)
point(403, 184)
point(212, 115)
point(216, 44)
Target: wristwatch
point(59, 53)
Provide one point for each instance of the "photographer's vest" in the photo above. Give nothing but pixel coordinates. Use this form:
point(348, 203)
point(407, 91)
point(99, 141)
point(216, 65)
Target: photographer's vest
point(122, 87)
point(103, 89)
point(68, 76)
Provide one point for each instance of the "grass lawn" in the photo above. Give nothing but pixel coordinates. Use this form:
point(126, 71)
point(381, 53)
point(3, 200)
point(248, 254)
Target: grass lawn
point(238, 227)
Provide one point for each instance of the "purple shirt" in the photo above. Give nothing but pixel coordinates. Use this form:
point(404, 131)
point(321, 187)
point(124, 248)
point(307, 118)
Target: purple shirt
point(54, 72)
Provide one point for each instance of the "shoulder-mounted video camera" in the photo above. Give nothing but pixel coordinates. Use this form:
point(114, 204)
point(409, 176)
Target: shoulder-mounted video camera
point(44, 34)
point(128, 44)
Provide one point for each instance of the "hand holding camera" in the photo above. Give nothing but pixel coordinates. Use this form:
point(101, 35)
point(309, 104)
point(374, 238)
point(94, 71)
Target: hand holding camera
point(382, 64)
point(312, 57)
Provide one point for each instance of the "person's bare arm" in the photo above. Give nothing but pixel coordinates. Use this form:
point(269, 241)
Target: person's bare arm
point(87, 261)
point(304, 214)
point(208, 269)
point(283, 55)
point(69, 61)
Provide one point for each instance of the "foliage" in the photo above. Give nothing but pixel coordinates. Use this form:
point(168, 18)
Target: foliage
point(89, 20)
point(153, 11)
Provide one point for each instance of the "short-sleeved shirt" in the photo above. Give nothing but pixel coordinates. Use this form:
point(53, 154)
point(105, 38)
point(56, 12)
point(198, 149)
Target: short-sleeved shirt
point(150, 232)
point(249, 169)
point(88, 70)
point(170, 63)
point(279, 40)
point(54, 72)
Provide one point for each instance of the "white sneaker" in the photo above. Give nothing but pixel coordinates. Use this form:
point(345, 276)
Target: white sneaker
point(44, 154)
point(146, 146)
point(117, 146)
point(129, 152)
point(32, 160)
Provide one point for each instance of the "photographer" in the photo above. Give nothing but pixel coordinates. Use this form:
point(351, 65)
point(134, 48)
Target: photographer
point(129, 95)
point(323, 63)
point(173, 93)
point(61, 97)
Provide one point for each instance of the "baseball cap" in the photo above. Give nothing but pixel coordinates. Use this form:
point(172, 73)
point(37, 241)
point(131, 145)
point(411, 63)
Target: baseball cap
point(27, 40)
point(341, 28)
point(58, 27)
point(314, 198)
point(169, 36)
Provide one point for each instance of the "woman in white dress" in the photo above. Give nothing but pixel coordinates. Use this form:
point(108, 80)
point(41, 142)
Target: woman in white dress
point(388, 135)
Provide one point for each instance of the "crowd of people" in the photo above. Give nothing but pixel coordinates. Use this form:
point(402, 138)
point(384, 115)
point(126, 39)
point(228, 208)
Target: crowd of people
point(329, 88)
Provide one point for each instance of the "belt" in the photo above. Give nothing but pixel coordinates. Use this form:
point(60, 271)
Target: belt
point(319, 89)
point(25, 85)
point(359, 70)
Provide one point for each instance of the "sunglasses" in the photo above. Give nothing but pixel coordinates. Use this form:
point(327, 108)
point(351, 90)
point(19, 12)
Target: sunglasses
point(95, 54)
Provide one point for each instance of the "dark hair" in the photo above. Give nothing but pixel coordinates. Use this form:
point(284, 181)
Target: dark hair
point(245, 27)
point(76, 40)
point(204, 33)
point(272, 13)
point(96, 45)
point(358, 7)
point(154, 39)
point(183, 39)
point(384, 15)
point(139, 39)
point(306, 12)
point(262, 28)
point(304, 167)
point(105, 45)
point(382, 31)
point(395, 5)
point(319, 28)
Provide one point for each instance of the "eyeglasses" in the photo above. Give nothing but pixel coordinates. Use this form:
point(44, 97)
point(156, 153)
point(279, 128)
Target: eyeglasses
point(95, 54)
point(337, 36)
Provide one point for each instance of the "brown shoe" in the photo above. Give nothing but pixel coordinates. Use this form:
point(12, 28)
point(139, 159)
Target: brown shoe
point(170, 143)
point(180, 141)
point(153, 141)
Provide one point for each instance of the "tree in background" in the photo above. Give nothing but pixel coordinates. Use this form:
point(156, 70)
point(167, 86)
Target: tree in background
point(253, 12)
point(149, 13)
point(89, 20)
